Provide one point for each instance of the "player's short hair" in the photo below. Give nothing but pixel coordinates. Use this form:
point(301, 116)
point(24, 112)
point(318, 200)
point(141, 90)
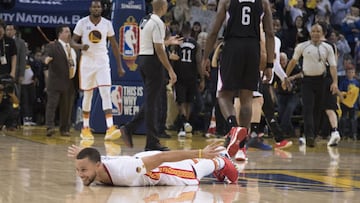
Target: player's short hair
point(95, 1)
point(90, 153)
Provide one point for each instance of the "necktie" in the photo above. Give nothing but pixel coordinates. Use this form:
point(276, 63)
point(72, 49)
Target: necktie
point(71, 61)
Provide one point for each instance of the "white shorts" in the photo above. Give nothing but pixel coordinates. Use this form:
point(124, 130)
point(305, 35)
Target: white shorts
point(94, 72)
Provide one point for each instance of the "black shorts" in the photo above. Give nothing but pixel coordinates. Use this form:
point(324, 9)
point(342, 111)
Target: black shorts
point(239, 65)
point(185, 92)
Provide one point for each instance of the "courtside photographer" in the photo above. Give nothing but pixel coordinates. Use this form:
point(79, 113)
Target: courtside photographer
point(9, 103)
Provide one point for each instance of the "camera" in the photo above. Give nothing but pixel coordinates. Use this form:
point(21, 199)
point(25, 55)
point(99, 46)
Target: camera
point(7, 84)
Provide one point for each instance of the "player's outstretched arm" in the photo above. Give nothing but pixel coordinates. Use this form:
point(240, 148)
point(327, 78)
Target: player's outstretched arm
point(209, 152)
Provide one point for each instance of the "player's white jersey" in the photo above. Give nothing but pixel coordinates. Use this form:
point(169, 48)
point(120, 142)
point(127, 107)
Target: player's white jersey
point(130, 171)
point(94, 35)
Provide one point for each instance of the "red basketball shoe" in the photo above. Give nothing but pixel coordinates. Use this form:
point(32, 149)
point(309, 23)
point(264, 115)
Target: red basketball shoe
point(236, 134)
point(229, 171)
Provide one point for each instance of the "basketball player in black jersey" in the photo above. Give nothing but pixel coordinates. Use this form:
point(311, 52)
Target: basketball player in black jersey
point(187, 69)
point(239, 66)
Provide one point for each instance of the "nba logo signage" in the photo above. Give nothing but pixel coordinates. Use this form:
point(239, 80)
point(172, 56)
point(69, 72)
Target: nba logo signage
point(125, 99)
point(117, 99)
point(129, 42)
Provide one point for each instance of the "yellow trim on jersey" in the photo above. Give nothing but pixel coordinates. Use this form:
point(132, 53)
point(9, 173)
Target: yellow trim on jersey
point(171, 171)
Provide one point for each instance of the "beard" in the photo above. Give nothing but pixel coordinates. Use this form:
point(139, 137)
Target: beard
point(89, 181)
point(97, 14)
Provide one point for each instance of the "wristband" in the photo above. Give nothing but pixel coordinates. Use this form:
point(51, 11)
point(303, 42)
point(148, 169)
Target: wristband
point(199, 153)
point(269, 65)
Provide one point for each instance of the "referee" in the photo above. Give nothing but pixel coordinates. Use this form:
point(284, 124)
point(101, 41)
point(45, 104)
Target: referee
point(152, 59)
point(316, 55)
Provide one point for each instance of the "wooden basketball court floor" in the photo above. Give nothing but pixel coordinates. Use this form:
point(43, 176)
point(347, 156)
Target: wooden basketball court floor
point(35, 168)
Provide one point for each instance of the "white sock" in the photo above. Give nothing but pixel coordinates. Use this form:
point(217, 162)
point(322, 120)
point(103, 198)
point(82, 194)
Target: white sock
point(204, 167)
point(109, 121)
point(220, 163)
point(86, 122)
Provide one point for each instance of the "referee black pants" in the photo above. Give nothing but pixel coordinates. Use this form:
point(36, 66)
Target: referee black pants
point(312, 94)
point(152, 74)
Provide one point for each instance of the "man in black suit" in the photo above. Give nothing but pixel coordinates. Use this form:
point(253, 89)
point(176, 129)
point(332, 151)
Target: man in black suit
point(61, 60)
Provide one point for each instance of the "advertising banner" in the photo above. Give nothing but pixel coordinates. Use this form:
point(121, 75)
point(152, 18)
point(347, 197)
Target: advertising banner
point(45, 13)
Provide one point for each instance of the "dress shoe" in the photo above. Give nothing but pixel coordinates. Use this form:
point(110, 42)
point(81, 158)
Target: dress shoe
point(156, 147)
point(50, 132)
point(163, 135)
point(310, 142)
point(126, 137)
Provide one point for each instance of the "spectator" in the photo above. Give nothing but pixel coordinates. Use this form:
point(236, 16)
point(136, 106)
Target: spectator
point(343, 49)
point(323, 8)
point(8, 53)
point(21, 50)
point(201, 40)
point(289, 99)
point(295, 35)
point(351, 28)
point(8, 99)
point(196, 29)
point(40, 90)
point(181, 11)
point(349, 87)
point(298, 10)
point(340, 9)
point(27, 96)
point(211, 5)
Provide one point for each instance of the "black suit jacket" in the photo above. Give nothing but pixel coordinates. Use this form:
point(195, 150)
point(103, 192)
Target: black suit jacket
point(58, 68)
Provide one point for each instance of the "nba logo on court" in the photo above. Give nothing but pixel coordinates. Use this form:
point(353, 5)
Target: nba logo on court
point(116, 99)
point(129, 42)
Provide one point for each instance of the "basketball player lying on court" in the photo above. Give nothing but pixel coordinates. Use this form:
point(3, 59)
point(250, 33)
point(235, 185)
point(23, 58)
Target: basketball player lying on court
point(177, 167)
